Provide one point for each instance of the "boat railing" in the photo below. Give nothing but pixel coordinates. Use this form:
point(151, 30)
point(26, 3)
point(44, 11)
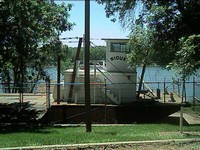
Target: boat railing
point(111, 81)
point(167, 87)
point(119, 71)
point(43, 89)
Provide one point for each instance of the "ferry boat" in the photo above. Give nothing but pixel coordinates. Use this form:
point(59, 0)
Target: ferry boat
point(113, 92)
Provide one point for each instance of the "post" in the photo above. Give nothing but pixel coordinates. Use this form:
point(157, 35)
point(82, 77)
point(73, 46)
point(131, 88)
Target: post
point(87, 66)
point(143, 87)
point(105, 99)
point(158, 91)
point(164, 97)
point(194, 92)
point(164, 89)
point(47, 92)
point(95, 78)
point(181, 119)
point(178, 88)
point(181, 111)
point(58, 79)
point(73, 78)
point(21, 94)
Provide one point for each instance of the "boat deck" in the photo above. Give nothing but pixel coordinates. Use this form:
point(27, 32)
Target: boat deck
point(165, 98)
point(38, 102)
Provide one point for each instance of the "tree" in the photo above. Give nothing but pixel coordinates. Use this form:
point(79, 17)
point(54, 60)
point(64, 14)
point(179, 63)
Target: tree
point(170, 21)
point(187, 58)
point(24, 27)
point(66, 59)
point(141, 44)
point(98, 53)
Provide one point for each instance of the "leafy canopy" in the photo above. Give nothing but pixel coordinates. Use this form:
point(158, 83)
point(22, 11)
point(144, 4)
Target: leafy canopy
point(171, 21)
point(27, 27)
point(141, 44)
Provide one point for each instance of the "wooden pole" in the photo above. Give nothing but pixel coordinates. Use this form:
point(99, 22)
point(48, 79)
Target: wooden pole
point(87, 66)
point(74, 70)
point(58, 79)
point(194, 92)
point(164, 90)
point(181, 111)
point(47, 91)
point(105, 100)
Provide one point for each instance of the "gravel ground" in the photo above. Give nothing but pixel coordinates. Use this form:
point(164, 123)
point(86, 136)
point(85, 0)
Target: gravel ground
point(181, 144)
point(194, 145)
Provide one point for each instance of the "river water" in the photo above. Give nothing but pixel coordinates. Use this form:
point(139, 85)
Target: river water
point(158, 74)
point(155, 77)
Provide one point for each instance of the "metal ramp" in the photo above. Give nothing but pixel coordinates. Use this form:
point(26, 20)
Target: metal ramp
point(113, 87)
point(109, 81)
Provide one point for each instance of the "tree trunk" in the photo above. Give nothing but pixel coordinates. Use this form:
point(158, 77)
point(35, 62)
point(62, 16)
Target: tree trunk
point(141, 80)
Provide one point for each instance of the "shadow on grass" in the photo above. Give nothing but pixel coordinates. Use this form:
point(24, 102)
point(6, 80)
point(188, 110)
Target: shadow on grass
point(19, 118)
point(18, 128)
point(16, 113)
point(173, 121)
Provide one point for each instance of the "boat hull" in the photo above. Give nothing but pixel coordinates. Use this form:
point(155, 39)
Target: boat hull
point(137, 112)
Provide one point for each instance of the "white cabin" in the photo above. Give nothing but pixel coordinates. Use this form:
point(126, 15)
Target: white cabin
point(112, 82)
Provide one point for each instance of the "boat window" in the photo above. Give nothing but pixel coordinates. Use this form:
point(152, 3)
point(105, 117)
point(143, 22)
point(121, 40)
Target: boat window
point(119, 47)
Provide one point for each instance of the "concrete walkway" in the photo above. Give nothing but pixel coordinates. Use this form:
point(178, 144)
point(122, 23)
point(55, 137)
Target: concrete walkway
point(190, 119)
point(31, 101)
point(36, 101)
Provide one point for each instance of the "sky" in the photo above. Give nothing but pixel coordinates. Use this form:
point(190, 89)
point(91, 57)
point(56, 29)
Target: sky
point(100, 26)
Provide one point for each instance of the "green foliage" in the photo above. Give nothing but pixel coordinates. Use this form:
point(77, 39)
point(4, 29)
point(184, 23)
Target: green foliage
point(170, 22)
point(187, 58)
point(69, 53)
point(66, 58)
point(98, 53)
point(141, 45)
point(28, 35)
point(119, 8)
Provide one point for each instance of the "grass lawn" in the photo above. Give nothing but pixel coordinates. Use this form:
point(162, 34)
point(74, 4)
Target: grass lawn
point(36, 136)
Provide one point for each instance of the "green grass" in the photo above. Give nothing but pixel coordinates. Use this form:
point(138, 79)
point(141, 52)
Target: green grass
point(37, 136)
